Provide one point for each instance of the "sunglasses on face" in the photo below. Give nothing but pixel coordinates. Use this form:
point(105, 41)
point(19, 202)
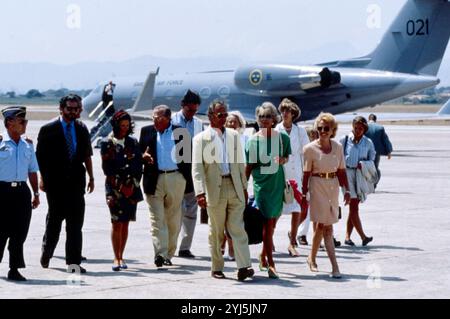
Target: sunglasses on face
point(221, 115)
point(73, 108)
point(159, 118)
point(265, 116)
point(323, 128)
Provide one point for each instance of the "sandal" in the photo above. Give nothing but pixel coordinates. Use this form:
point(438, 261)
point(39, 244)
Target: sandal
point(312, 265)
point(293, 243)
point(293, 252)
point(261, 266)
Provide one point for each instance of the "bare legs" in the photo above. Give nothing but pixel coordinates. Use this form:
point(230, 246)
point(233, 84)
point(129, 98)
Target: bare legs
point(354, 221)
point(329, 246)
point(267, 251)
point(296, 220)
point(119, 237)
point(325, 232)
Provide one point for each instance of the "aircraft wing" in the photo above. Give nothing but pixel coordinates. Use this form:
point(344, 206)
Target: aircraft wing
point(351, 63)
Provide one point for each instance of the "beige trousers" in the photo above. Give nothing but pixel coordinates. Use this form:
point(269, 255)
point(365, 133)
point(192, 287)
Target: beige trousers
point(229, 213)
point(165, 213)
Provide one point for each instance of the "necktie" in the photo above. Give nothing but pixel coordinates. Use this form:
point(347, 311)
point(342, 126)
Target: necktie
point(69, 140)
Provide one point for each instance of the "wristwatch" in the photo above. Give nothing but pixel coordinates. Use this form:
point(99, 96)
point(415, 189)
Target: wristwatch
point(36, 194)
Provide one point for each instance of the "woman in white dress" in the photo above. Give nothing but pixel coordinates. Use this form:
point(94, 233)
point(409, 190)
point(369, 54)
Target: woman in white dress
point(294, 167)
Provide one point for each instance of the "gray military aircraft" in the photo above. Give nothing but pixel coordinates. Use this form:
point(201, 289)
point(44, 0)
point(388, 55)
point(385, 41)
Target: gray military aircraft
point(406, 60)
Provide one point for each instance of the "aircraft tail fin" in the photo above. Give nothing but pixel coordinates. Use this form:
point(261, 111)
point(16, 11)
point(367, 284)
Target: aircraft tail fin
point(416, 40)
point(145, 98)
point(445, 110)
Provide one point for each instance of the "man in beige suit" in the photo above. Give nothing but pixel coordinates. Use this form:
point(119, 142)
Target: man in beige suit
point(221, 186)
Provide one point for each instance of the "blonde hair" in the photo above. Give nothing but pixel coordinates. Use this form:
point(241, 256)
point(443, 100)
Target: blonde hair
point(287, 104)
point(329, 119)
point(312, 133)
point(238, 115)
point(268, 106)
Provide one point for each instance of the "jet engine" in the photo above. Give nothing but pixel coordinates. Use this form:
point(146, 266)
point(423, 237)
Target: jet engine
point(283, 80)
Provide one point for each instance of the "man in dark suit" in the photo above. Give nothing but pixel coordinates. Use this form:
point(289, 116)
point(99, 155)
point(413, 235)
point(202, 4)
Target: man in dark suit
point(381, 141)
point(167, 174)
point(64, 154)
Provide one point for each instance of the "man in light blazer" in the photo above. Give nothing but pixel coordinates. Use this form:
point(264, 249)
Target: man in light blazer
point(221, 186)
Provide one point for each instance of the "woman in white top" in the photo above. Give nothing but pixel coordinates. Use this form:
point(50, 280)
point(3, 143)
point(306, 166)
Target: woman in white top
point(294, 167)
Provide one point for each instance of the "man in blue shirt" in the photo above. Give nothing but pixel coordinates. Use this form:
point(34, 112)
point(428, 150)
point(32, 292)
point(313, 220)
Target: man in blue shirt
point(166, 172)
point(186, 118)
point(64, 155)
point(17, 164)
point(380, 140)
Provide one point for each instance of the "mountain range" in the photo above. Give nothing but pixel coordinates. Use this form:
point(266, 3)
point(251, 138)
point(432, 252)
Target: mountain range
point(21, 77)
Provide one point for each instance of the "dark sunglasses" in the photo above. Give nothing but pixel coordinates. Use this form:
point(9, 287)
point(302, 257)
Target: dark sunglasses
point(221, 115)
point(323, 128)
point(266, 116)
point(73, 108)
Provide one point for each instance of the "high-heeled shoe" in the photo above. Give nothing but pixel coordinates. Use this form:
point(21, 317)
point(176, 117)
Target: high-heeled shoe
point(273, 273)
point(312, 265)
point(293, 252)
point(261, 266)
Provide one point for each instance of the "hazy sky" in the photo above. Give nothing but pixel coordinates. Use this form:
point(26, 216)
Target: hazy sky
point(67, 32)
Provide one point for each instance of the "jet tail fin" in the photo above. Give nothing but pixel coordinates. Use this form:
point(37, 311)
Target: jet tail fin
point(145, 98)
point(416, 40)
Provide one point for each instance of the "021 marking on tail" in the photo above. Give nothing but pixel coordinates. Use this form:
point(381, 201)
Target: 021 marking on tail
point(406, 60)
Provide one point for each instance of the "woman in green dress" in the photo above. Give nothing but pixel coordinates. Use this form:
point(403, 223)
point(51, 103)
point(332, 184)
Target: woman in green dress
point(266, 152)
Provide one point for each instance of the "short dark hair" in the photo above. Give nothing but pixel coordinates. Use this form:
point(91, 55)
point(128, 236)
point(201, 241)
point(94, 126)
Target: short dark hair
point(361, 120)
point(216, 103)
point(372, 117)
point(117, 118)
point(191, 97)
point(70, 98)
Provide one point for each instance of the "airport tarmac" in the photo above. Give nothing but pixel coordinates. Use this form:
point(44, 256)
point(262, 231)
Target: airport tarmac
point(408, 217)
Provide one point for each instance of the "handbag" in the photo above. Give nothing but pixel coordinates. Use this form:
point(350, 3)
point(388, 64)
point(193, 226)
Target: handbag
point(253, 222)
point(288, 195)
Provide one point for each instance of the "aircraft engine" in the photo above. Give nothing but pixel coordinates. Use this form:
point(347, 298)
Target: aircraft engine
point(283, 80)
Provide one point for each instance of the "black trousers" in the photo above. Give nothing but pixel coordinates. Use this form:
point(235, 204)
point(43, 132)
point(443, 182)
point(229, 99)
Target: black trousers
point(15, 217)
point(67, 207)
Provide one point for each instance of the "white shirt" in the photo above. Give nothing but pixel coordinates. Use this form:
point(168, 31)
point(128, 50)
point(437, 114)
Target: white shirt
point(221, 140)
point(299, 138)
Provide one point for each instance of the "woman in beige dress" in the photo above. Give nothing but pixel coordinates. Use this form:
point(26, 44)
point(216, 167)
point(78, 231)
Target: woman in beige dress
point(323, 173)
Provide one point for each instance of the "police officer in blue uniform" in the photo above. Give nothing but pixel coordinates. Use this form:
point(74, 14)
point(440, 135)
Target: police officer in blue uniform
point(17, 164)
